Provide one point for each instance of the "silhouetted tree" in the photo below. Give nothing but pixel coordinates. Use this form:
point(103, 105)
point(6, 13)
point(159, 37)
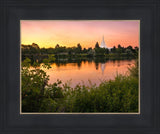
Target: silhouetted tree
point(79, 46)
point(119, 46)
point(113, 50)
point(97, 45)
point(57, 46)
point(130, 47)
point(107, 51)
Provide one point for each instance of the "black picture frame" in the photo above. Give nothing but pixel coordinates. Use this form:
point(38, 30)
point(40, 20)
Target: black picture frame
point(12, 11)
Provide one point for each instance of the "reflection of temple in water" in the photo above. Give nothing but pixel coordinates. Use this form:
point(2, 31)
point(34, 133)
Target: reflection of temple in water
point(103, 66)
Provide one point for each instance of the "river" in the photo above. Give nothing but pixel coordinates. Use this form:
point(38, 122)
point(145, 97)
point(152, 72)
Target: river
point(87, 72)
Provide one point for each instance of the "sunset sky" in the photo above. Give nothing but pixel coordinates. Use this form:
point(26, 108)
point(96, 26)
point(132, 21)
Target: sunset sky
point(48, 33)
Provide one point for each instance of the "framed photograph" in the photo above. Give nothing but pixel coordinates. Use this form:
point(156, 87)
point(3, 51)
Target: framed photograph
point(79, 67)
point(58, 76)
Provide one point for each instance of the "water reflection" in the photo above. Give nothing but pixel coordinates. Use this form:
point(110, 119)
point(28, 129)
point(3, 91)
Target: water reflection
point(103, 66)
point(84, 71)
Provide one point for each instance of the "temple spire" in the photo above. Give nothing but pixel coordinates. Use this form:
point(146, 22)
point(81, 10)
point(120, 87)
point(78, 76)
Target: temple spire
point(103, 44)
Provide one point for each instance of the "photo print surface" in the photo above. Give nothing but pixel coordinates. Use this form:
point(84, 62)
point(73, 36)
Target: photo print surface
point(80, 66)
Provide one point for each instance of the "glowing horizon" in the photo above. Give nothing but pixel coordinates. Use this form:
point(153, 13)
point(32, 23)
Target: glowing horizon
point(49, 33)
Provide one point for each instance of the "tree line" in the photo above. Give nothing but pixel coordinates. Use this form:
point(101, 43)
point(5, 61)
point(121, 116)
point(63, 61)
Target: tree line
point(63, 50)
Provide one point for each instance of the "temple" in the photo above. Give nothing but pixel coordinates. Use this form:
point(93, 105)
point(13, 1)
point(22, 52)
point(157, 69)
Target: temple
point(103, 44)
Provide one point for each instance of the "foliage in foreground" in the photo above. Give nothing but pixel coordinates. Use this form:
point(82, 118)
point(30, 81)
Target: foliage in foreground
point(119, 95)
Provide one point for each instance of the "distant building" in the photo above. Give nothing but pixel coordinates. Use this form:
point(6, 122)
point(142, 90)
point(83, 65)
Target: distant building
point(103, 44)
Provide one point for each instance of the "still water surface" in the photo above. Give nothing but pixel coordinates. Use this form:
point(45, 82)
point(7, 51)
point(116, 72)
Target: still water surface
point(86, 72)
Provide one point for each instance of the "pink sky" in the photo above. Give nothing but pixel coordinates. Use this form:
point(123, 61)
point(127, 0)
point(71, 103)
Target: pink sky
point(48, 33)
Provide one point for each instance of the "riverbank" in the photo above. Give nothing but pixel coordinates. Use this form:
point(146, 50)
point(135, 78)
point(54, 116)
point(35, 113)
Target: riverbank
point(78, 57)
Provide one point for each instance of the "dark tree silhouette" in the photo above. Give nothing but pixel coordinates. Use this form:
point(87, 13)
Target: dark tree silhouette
point(79, 46)
point(57, 46)
point(119, 46)
point(97, 45)
point(113, 50)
